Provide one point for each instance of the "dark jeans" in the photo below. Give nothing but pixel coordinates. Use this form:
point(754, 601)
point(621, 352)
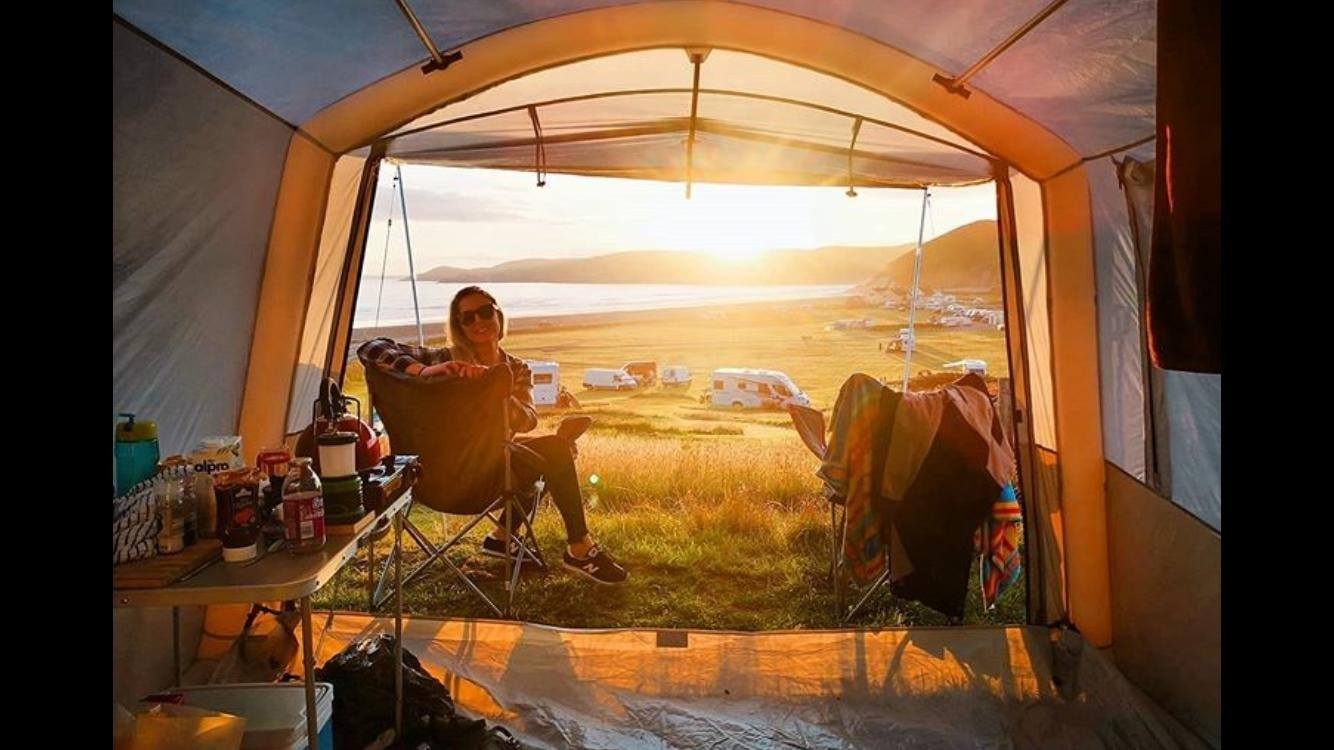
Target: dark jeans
point(562, 481)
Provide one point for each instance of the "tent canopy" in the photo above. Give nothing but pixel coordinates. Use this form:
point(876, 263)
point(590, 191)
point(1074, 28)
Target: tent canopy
point(238, 250)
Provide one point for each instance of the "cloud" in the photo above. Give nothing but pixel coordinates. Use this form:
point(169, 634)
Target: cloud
point(434, 204)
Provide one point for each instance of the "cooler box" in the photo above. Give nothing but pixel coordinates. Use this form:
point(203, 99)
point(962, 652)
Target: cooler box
point(275, 713)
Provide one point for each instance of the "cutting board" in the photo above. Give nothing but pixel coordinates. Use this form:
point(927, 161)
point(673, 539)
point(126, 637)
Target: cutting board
point(163, 570)
point(350, 529)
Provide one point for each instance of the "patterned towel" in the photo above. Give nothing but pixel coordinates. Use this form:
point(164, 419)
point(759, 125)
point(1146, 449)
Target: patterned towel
point(134, 525)
point(847, 470)
point(1000, 562)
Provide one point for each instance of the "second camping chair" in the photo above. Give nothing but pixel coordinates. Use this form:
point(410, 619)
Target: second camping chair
point(459, 427)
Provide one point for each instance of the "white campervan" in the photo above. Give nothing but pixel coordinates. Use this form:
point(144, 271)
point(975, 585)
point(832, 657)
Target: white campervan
point(755, 389)
point(616, 380)
point(546, 382)
point(676, 375)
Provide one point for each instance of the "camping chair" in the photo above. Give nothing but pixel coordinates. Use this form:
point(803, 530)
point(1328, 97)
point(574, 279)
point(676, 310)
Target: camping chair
point(459, 428)
point(811, 428)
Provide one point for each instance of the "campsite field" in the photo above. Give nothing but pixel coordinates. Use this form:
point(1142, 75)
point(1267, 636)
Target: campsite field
point(716, 513)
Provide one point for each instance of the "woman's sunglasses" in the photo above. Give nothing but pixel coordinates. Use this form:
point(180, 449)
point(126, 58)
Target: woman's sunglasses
point(485, 312)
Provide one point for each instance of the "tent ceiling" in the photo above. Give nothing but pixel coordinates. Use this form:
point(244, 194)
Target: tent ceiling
point(747, 135)
point(1086, 73)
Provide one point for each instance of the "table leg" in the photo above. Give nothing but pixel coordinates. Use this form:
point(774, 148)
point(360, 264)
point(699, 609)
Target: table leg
point(176, 643)
point(398, 625)
point(308, 652)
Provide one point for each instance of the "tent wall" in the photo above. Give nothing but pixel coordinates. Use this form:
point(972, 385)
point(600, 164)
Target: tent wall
point(195, 169)
point(1167, 604)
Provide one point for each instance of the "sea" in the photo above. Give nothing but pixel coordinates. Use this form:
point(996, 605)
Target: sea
point(391, 304)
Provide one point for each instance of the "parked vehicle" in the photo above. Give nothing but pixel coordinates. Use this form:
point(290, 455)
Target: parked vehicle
point(646, 373)
point(546, 382)
point(676, 376)
point(614, 380)
point(976, 366)
point(755, 389)
point(906, 342)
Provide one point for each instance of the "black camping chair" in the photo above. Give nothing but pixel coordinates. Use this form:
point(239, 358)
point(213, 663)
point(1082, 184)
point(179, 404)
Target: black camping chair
point(459, 428)
point(810, 426)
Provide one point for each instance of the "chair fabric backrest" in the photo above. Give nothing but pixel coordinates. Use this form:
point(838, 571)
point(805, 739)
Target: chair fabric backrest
point(457, 426)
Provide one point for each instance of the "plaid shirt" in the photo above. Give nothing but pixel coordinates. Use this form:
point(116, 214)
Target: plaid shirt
point(393, 356)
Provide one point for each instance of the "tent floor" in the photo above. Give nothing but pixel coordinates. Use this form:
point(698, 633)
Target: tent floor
point(923, 687)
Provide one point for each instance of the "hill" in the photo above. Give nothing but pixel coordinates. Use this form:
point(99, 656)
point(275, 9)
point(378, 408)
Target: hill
point(964, 258)
point(825, 265)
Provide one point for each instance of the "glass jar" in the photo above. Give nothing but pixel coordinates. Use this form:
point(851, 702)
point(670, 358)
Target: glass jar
point(303, 508)
point(178, 470)
point(169, 502)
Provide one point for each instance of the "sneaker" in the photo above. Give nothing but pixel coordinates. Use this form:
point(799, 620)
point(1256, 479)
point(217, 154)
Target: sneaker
point(598, 566)
point(493, 547)
point(572, 427)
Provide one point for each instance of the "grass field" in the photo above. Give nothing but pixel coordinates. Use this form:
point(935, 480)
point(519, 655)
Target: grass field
point(716, 513)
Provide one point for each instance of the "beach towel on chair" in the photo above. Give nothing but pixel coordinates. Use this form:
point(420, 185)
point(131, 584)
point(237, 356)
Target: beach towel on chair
point(858, 433)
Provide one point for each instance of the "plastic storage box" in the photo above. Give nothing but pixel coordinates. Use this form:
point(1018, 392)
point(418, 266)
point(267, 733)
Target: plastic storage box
point(275, 713)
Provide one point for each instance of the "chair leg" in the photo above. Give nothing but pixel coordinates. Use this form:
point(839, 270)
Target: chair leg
point(875, 586)
point(435, 553)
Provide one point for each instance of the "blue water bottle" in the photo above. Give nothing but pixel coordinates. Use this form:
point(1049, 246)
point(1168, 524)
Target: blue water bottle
point(136, 452)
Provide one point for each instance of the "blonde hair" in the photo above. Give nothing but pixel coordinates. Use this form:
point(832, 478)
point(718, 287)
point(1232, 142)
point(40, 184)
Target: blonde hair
point(459, 347)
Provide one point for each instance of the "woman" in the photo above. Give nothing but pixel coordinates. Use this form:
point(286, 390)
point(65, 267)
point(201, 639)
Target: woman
point(476, 326)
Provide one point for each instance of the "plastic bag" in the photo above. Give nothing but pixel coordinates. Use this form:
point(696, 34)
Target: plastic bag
point(163, 726)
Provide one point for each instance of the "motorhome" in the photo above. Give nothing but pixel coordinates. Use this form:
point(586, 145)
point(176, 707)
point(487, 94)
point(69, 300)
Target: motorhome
point(615, 380)
point(755, 389)
point(676, 375)
point(546, 382)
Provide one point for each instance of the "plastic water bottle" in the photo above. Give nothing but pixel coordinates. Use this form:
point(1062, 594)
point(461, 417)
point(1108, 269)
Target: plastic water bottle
point(136, 452)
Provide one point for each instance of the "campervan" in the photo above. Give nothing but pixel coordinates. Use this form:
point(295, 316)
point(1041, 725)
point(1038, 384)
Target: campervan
point(616, 380)
point(975, 366)
point(676, 375)
point(755, 389)
point(906, 341)
point(546, 382)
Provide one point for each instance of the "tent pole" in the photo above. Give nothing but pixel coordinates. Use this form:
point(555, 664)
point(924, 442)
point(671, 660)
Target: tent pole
point(696, 59)
point(955, 85)
point(384, 261)
point(914, 291)
point(407, 237)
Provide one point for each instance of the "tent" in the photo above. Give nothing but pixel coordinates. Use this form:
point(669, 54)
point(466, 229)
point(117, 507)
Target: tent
point(247, 137)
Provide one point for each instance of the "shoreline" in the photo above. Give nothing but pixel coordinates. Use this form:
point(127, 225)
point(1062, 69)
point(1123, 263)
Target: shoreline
point(572, 321)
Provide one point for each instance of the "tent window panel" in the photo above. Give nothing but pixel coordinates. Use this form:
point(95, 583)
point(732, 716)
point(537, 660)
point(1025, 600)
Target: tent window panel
point(1120, 346)
point(315, 335)
point(1032, 239)
point(1195, 430)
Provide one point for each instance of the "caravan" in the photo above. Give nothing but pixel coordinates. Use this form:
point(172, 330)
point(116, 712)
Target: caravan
point(546, 382)
point(755, 389)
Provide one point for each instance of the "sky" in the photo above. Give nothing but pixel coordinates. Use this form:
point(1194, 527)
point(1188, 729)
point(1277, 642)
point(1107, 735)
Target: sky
point(474, 218)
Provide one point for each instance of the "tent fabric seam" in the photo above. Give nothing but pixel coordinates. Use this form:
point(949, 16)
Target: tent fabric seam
point(1094, 157)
